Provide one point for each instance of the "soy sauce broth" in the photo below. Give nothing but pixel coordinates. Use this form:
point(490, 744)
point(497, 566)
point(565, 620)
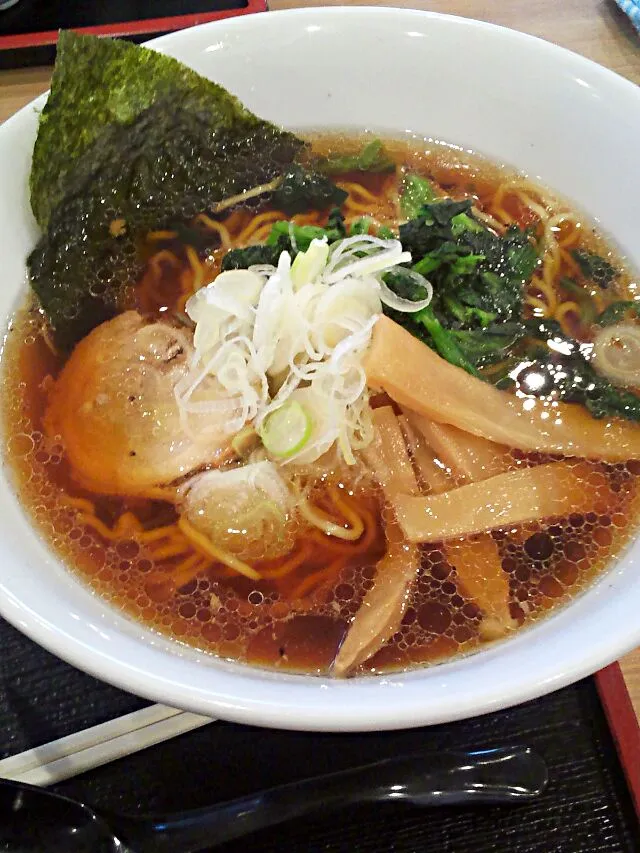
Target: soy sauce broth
point(268, 623)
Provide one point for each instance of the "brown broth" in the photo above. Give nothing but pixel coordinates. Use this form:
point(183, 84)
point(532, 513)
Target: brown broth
point(264, 622)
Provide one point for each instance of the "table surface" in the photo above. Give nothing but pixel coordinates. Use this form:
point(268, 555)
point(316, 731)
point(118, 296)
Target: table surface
point(595, 28)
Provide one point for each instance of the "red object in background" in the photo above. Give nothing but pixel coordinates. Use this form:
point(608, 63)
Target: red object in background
point(149, 26)
point(623, 724)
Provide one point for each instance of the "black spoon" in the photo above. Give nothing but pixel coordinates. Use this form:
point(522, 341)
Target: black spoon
point(33, 820)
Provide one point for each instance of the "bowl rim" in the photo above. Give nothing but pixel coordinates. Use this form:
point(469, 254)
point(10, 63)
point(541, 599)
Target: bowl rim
point(302, 708)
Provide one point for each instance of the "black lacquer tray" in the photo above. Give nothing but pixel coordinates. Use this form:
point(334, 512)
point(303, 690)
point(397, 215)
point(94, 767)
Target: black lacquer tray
point(588, 807)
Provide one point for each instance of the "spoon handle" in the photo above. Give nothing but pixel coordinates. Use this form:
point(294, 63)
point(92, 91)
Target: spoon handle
point(427, 779)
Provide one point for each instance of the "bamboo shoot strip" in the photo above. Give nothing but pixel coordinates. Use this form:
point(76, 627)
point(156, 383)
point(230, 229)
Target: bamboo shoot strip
point(383, 607)
point(416, 377)
point(555, 489)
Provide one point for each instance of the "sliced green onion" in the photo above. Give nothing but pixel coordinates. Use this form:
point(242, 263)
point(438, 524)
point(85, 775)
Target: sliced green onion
point(287, 430)
point(308, 265)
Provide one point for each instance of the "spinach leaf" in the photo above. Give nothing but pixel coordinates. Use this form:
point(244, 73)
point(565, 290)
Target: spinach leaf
point(462, 222)
point(442, 340)
point(594, 267)
point(477, 275)
point(490, 345)
point(432, 227)
point(386, 233)
point(241, 259)
point(298, 235)
point(416, 192)
point(335, 223)
point(360, 226)
point(565, 369)
point(405, 285)
point(618, 311)
point(372, 158)
point(571, 378)
point(302, 235)
point(285, 236)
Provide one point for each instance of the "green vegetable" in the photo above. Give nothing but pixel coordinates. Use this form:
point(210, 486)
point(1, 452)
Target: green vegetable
point(416, 192)
point(618, 311)
point(300, 235)
point(386, 233)
point(472, 349)
point(279, 240)
point(405, 285)
point(304, 234)
point(448, 254)
point(130, 140)
point(302, 190)
point(466, 315)
point(242, 259)
point(499, 373)
point(360, 226)
point(477, 276)
point(425, 325)
point(443, 341)
point(487, 346)
point(574, 380)
point(427, 231)
point(567, 371)
point(544, 330)
point(594, 267)
point(582, 298)
point(463, 222)
point(372, 158)
point(286, 430)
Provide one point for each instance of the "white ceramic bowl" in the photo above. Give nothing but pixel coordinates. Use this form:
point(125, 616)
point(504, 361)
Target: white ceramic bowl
point(558, 117)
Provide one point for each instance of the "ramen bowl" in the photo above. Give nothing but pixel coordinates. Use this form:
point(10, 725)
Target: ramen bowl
point(559, 118)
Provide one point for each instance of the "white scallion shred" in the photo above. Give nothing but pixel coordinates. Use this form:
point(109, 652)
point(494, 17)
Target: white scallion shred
point(294, 336)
